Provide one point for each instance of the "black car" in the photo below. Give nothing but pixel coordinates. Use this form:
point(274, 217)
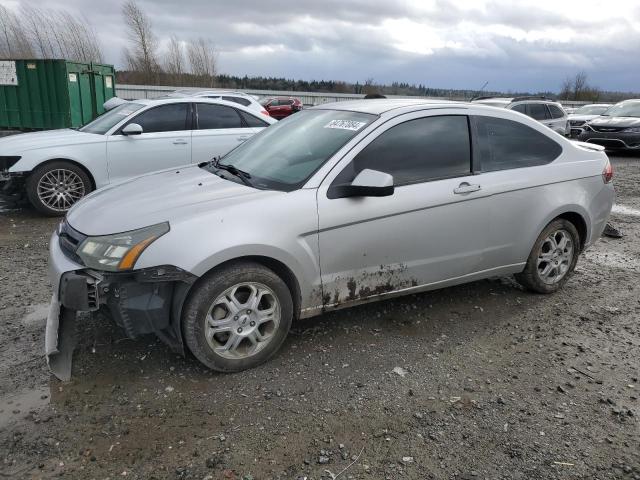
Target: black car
point(616, 129)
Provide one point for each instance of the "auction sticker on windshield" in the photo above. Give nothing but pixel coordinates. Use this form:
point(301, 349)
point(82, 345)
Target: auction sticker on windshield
point(345, 124)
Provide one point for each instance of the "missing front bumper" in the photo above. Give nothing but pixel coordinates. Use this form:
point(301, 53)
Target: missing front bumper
point(140, 302)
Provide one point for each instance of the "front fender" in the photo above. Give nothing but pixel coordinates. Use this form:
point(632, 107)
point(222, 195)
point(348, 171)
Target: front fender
point(92, 158)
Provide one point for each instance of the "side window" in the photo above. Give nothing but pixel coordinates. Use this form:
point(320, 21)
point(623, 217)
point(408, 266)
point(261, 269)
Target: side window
point(416, 151)
point(505, 144)
point(521, 107)
point(538, 111)
point(165, 118)
point(240, 100)
point(556, 111)
point(252, 121)
point(212, 116)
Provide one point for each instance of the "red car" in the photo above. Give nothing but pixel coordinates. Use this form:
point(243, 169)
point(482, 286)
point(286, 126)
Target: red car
point(281, 107)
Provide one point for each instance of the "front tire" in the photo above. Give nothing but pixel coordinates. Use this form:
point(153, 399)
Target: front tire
point(237, 317)
point(55, 187)
point(552, 259)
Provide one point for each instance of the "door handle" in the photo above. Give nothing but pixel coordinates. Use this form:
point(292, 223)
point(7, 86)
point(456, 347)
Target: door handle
point(465, 187)
point(180, 142)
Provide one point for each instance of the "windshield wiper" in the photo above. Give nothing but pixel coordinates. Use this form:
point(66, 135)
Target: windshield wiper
point(236, 172)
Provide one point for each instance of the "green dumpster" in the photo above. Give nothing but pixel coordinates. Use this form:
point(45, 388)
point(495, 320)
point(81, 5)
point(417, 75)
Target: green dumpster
point(46, 94)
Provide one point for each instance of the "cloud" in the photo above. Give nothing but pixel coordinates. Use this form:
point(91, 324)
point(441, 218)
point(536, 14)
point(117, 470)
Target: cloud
point(524, 45)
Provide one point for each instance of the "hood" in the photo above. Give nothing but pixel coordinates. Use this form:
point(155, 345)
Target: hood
point(582, 118)
point(171, 195)
point(616, 122)
point(17, 144)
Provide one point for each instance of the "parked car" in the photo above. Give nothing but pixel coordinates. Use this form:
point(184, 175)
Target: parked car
point(241, 98)
point(281, 107)
point(616, 129)
point(546, 111)
point(57, 168)
point(341, 204)
point(585, 113)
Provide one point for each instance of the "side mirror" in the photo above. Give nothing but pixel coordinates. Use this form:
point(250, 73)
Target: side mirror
point(368, 183)
point(132, 129)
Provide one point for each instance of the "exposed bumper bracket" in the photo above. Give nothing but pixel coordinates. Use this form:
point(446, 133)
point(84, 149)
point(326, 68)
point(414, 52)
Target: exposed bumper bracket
point(60, 349)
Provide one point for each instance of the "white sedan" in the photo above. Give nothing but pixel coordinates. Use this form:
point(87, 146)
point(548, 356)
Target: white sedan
point(57, 168)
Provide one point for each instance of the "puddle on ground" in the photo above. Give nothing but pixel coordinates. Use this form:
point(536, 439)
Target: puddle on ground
point(37, 315)
point(15, 406)
point(614, 259)
point(624, 210)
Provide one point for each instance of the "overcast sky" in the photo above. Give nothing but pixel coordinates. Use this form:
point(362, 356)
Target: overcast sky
point(513, 44)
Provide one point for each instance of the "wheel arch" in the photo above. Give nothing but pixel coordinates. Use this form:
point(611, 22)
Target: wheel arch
point(575, 214)
point(73, 162)
point(277, 266)
point(579, 222)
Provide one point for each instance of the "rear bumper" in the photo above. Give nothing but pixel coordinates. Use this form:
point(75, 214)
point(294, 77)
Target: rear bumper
point(140, 302)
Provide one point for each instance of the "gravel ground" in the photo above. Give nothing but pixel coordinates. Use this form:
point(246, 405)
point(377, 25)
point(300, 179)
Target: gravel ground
point(481, 381)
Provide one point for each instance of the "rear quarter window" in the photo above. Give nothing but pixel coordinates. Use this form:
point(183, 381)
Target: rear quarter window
point(505, 144)
point(251, 120)
point(556, 111)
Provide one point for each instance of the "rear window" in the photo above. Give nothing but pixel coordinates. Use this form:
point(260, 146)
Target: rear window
point(239, 100)
point(505, 144)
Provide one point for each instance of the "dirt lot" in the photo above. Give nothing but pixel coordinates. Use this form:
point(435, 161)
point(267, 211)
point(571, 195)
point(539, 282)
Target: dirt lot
point(496, 383)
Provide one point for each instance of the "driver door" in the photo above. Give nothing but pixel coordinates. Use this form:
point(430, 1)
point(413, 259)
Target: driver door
point(165, 142)
point(432, 229)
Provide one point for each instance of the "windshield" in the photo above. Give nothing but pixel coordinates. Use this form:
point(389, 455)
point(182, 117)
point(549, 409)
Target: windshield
point(591, 110)
point(624, 109)
point(285, 155)
point(108, 120)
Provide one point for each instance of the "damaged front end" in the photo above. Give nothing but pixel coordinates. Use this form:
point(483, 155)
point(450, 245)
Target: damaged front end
point(12, 184)
point(139, 301)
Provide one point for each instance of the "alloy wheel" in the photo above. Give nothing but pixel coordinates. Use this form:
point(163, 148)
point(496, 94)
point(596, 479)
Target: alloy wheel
point(242, 320)
point(59, 189)
point(555, 257)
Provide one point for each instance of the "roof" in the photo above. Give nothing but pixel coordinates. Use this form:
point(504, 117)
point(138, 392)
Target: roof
point(494, 100)
point(377, 106)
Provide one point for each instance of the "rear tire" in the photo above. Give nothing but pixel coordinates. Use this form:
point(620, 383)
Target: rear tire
point(55, 187)
point(552, 259)
point(237, 317)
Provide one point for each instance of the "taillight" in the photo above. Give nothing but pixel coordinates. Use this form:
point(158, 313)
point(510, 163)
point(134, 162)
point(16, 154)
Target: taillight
point(607, 173)
point(264, 112)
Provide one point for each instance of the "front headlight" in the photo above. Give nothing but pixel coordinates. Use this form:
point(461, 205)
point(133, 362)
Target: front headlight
point(632, 130)
point(119, 251)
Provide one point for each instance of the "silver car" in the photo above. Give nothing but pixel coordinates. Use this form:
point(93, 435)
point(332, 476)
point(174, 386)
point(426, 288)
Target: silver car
point(338, 205)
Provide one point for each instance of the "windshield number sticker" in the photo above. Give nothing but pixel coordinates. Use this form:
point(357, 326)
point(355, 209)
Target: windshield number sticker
point(345, 125)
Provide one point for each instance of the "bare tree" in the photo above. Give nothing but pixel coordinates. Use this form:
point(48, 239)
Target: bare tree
point(142, 55)
point(36, 30)
point(39, 33)
point(202, 59)
point(14, 42)
point(175, 62)
point(578, 88)
point(370, 87)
